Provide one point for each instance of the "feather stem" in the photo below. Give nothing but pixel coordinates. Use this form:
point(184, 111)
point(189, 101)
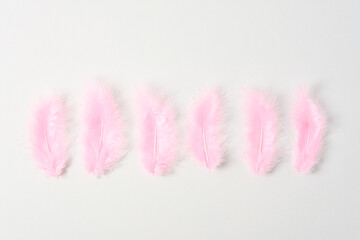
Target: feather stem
point(101, 137)
point(46, 137)
point(155, 149)
point(259, 162)
point(307, 139)
point(205, 146)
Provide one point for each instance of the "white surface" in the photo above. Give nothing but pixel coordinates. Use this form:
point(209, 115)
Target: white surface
point(181, 46)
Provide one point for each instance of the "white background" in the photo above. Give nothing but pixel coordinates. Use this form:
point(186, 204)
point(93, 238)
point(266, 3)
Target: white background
point(180, 47)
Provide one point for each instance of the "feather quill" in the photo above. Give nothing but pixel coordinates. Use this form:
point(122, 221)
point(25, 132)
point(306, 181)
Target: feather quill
point(48, 139)
point(103, 136)
point(158, 133)
point(309, 122)
point(205, 140)
point(262, 128)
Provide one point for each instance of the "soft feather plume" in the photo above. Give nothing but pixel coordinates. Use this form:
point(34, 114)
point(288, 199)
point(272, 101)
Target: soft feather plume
point(103, 137)
point(205, 140)
point(158, 133)
point(262, 129)
point(48, 136)
point(309, 122)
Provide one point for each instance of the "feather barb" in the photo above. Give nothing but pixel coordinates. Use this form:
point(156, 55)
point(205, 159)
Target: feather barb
point(205, 140)
point(261, 120)
point(158, 133)
point(48, 138)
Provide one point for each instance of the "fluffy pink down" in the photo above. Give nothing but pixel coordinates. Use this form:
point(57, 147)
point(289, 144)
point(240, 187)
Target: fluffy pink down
point(158, 134)
point(309, 122)
point(103, 137)
point(261, 121)
point(48, 136)
point(205, 141)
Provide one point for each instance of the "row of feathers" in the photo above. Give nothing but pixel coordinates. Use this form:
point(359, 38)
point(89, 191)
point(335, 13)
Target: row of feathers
point(104, 142)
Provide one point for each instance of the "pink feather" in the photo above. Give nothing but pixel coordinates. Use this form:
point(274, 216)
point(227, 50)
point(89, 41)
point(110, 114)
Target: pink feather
point(48, 136)
point(103, 137)
point(309, 122)
point(205, 140)
point(158, 133)
point(262, 129)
